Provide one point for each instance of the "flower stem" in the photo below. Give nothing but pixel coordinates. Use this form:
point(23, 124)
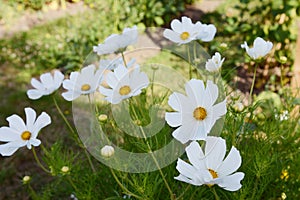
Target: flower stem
point(215, 193)
point(122, 186)
point(186, 189)
point(39, 162)
point(34, 196)
point(155, 160)
point(123, 57)
point(189, 60)
point(253, 83)
point(74, 133)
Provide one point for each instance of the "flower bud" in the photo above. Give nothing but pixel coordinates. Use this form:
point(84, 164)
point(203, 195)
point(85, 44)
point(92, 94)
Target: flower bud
point(107, 151)
point(26, 179)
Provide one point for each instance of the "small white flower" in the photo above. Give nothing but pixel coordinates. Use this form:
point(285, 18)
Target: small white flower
point(19, 134)
point(47, 85)
point(207, 32)
point(210, 167)
point(260, 48)
point(215, 63)
point(107, 151)
point(124, 83)
point(81, 83)
point(195, 113)
point(182, 32)
point(117, 42)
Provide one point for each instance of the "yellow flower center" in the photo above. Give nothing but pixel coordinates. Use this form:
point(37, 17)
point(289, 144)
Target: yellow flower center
point(184, 35)
point(26, 135)
point(213, 173)
point(200, 113)
point(85, 87)
point(124, 90)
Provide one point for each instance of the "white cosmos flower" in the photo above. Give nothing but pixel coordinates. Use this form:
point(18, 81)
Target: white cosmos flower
point(117, 42)
point(206, 32)
point(195, 113)
point(47, 85)
point(182, 32)
point(260, 48)
point(215, 63)
point(81, 83)
point(124, 83)
point(19, 134)
point(210, 167)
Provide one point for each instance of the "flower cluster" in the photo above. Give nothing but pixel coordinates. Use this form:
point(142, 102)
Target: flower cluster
point(196, 113)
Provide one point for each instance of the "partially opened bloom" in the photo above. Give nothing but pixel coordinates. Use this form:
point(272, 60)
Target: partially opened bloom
point(206, 32)
point(195, 113)
point(81, 83)
point(47, 85)
point(19, 134)
point(260, 48)
point(210, 167)
point(117, 42)
point(182, 32)
point(215, 63)
point(124, 83)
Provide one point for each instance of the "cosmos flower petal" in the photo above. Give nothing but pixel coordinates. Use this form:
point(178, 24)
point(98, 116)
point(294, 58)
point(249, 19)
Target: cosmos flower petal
point(260, 48)
point(70, 95)
point(42, 121)
point(211, 93)
point(196, 155)
point(183, 134)
point(174, 119)
point(176, 101)
point(30, 117)
point(185, 169)
point(232, 162)
point(7, 134)
point(219, 109)
point(34, 94)
point(46, 79)
point(8, 149)
point(35, 142)
point(120, 72)
point(37, 84)
point(215, 149)
point(232, 182)
point(176, 25)
point(16, 123)
point(184, 179)
point(195, 90)
point(173, 36)
point(58, 78)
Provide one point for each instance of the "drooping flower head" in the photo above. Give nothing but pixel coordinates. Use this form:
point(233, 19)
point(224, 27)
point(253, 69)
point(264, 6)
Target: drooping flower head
point(260, 48)
point(182, 32)
point(207, 32)
point(19, 134)
point(47, 85)
point(124, 83)
point(215, 63)
point(117, 42)
point(195, 114)
point(210, 167)
point(82, 83)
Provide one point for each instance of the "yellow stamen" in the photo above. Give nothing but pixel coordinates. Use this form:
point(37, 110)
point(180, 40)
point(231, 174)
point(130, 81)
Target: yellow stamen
point(184, 35)
point(124, 90)
point(213, 173)
point(200, 113)
point(26, 135)
point(85, 87)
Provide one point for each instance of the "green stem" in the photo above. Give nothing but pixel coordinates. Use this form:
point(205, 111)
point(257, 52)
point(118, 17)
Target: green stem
point(39, 162)
point(253, 83)
point(123, 57)
point(152, 85)
point(72, 183)
point(186, 189)
point(33, 193)
point(73, 133)
point(154, 159)
point(189, 60)
point(215, 193)
point(281, 75)
point(122, 186)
